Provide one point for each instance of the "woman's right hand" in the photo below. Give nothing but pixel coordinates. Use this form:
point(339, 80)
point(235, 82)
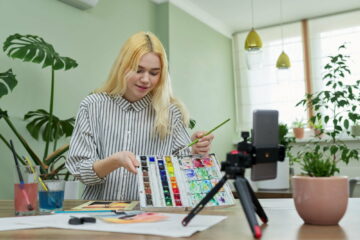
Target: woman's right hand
point(123, 159)
point(127, 160)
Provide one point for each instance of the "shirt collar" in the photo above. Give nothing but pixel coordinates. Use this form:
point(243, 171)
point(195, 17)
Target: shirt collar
point(137, 106)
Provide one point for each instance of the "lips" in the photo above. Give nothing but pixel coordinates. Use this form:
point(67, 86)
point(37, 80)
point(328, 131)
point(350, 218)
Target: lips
point(143, 88)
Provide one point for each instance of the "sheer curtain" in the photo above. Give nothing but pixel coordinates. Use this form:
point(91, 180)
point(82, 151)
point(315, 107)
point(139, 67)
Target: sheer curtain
point(326, 35)
point(266, 87)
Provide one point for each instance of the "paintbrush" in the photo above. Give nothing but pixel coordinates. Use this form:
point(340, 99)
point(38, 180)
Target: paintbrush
point(22, 186)
point(176, 152)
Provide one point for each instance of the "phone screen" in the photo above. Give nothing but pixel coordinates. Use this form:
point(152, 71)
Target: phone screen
point(265, 133)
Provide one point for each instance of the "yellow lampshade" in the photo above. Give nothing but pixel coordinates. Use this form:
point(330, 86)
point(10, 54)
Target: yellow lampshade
point(283, 61)
point(253, 41)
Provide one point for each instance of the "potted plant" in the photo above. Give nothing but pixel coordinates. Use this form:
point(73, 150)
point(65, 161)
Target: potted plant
point(298, 128)
point(317, 127)
point(335, 106)
point(30, 48)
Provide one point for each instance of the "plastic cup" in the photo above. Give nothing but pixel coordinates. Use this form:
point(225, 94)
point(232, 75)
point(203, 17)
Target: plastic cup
point(53, 199)
point(26, 194)
point(25, 199)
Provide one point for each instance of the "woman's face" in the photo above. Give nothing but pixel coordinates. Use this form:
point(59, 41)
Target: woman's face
point(144, 79)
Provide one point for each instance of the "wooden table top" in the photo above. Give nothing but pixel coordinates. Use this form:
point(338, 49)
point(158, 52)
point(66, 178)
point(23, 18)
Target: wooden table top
point(284, 223)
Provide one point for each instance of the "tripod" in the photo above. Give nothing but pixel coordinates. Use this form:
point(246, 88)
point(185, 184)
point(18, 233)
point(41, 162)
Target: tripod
point(234, 168)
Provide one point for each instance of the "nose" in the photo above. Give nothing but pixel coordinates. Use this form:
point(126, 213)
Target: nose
point(145, 77)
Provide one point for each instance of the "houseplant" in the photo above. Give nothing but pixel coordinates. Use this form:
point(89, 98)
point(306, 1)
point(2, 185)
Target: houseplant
point(335, 106)
point(317, 127)
point(298, 128)
point(30, 48)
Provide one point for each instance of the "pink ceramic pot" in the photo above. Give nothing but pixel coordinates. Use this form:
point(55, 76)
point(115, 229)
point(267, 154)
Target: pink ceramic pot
point(320, 200)
point(298, 133)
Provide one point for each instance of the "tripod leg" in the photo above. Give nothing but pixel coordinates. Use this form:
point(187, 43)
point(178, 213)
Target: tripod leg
point(204, 201)
point(258, 208)
point(246, 202)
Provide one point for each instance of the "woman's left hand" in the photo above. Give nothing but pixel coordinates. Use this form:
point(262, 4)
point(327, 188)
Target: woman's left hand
point(203, 145)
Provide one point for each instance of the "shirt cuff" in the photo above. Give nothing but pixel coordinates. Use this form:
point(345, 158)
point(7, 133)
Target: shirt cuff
point(88, 175)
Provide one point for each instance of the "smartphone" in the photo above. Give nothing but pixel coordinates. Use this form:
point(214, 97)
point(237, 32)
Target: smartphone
point(265, 133)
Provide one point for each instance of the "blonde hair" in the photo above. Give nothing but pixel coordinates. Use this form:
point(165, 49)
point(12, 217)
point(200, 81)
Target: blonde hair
point(127, 62)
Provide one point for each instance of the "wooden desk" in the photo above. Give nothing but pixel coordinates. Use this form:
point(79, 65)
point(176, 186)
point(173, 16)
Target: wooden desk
point(284, 223)
point(270, 194)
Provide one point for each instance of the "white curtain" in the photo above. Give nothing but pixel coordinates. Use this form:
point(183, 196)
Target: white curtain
point(267, 87)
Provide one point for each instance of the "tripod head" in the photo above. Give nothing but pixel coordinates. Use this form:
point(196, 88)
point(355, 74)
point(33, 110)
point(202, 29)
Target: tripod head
point(246, 156)
point(258, 156)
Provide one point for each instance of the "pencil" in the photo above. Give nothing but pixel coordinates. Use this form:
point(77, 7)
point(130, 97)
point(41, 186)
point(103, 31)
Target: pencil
point(35, 176)
point(197, 140)
point(22, 186)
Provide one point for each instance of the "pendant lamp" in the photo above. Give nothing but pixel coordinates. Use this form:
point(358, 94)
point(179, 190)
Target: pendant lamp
point(253, 45)
point(253, 41)
point(283, 61)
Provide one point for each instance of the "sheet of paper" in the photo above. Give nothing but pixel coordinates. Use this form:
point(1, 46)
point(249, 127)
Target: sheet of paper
point(16, 223)
point(171, 227)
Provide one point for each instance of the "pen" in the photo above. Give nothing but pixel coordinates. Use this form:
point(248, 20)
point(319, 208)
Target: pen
point(197, 140)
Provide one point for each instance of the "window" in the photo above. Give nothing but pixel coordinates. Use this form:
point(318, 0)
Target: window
point(267, 87)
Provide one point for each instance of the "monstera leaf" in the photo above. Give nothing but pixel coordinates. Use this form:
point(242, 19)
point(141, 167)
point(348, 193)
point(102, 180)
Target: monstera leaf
point(40, 124)
point(31, 48)
point(7, 81)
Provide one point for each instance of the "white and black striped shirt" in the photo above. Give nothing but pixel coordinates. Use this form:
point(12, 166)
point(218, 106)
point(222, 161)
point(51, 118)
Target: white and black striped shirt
point(105, 125)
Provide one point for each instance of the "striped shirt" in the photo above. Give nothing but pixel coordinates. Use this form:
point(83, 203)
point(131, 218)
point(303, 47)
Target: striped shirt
point(106, 125)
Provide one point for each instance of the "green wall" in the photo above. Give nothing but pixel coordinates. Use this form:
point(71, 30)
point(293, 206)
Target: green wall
point(200, 60)
point(202, 76)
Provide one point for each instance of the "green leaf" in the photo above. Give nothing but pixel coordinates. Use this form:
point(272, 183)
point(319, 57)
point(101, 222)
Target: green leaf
point(40, 125)
point(192, 123)
point(327, 66)
point(7, 82)
point(346, 124)
point(34, 49)
point(326, 119)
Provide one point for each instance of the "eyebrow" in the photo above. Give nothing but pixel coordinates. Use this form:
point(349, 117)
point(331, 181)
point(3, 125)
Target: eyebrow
point(150, 69)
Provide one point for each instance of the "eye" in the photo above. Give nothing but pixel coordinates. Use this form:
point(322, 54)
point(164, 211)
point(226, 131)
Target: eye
point(154, 73)
point(140, 70)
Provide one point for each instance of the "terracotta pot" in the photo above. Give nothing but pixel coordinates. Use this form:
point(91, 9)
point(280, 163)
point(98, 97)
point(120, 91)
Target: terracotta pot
point(320, 200)
point(298, 133)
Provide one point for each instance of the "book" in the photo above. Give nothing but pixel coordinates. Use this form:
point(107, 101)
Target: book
point(107, 205)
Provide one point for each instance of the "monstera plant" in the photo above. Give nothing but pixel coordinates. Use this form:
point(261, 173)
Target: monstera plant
point(31, 48)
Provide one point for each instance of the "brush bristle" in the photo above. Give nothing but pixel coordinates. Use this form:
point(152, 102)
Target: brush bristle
point(30, 207)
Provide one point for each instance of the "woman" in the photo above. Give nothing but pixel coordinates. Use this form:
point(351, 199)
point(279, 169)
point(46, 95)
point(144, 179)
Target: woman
point(134, 113)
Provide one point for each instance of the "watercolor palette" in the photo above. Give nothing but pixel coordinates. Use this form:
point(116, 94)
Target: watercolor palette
point(180, 182)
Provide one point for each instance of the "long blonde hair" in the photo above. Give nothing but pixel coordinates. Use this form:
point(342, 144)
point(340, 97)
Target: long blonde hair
point(127, 62)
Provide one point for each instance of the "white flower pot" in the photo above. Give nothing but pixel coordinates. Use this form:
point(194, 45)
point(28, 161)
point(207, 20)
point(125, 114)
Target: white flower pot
point(73, 190)
point(355, 130)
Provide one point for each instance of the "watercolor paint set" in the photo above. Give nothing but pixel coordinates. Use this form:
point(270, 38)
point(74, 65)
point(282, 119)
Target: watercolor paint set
point(180, 182)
